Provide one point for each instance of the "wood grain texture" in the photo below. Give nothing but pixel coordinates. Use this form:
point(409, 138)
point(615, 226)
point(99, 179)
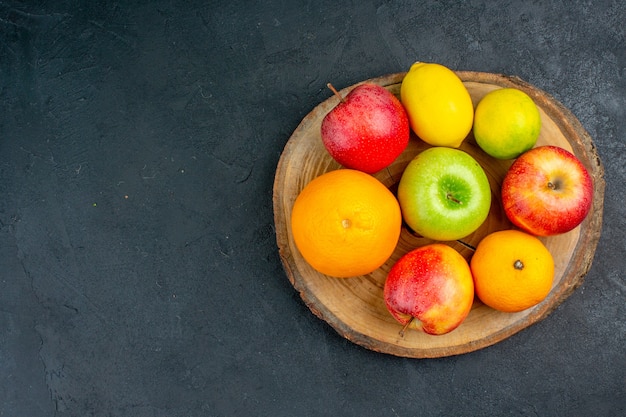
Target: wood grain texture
point(354, 307)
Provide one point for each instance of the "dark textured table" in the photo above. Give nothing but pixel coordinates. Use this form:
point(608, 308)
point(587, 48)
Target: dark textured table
point(139, 273)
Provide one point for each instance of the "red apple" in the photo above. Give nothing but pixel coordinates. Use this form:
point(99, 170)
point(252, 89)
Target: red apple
point(367, 130)
point(547, 191)
point(430, 289)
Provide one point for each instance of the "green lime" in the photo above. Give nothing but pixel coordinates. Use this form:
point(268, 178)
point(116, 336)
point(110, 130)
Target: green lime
point(506, 123)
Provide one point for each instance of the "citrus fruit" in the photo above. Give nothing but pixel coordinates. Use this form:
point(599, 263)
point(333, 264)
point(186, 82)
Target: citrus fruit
point(506, 123)
point(346, 223)
point(439, 106)
point(512, 270)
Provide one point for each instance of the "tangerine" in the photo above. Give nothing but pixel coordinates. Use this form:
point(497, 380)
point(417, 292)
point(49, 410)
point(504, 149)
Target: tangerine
point(346, 223)
point(512, 270)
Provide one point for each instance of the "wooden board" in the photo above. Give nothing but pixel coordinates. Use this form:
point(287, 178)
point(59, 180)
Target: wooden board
point(354, 307)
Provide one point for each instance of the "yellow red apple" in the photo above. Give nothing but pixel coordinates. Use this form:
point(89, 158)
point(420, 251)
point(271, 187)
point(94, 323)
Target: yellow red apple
point(547, 191)
point(430, 289)
point(367, 130)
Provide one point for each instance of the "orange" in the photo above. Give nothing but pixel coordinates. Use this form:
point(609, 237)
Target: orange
point(346, 223)
point(512, 270)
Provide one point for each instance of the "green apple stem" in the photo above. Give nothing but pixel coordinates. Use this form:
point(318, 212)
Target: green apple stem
point(334, 90)
point(452, 198)
point(406, 326)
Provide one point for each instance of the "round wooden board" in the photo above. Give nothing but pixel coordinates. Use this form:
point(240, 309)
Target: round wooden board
point(354, 307)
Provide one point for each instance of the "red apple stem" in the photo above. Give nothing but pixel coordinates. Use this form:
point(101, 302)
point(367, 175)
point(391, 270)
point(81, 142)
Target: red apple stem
point(406, 326)
point(334, 90)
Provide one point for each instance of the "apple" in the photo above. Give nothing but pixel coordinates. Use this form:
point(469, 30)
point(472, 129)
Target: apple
point(430, 289)
point(444, 194)
point(367, 130)
point(547, 191)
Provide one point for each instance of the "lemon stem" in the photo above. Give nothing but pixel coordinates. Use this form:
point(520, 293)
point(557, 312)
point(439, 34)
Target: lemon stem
point(334, 90)
point(518, 265)
point(406, 326)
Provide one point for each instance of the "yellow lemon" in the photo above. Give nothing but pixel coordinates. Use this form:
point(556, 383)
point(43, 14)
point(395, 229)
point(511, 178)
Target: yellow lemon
point(439, 106)
point(506, 123)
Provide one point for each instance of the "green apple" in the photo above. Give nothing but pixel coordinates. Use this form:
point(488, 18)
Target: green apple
point(444, 194)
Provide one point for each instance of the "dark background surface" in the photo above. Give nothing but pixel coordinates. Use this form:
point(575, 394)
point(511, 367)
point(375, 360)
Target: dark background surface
point(139, 273)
